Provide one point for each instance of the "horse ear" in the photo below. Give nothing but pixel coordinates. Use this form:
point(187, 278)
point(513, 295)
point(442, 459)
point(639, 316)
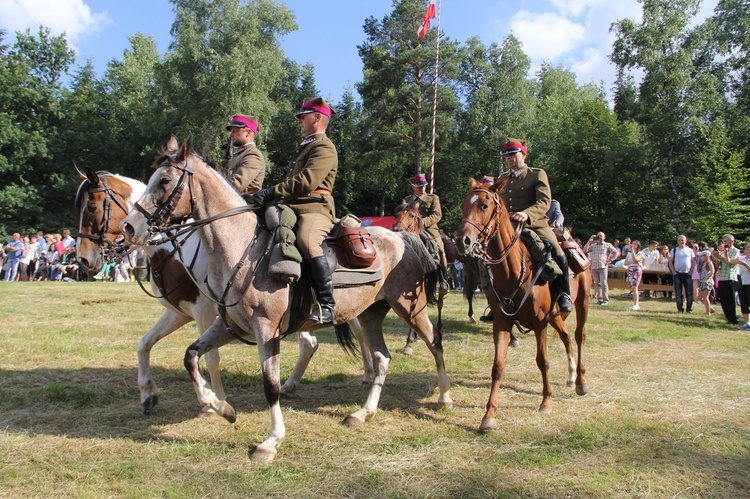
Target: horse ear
point(172, 144)
point(92, 176)
point(473, 184)
point(499, 184)
point(81, 175)
point(187, 146)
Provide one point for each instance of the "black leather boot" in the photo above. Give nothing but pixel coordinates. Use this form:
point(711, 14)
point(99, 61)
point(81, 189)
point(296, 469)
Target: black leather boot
point(563, 284)
point(322, 284)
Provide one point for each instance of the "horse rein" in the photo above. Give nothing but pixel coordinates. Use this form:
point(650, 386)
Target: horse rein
point(479, 250)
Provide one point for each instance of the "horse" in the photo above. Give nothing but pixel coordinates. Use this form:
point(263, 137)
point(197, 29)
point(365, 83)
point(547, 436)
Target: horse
point(102, 201)
point(409, 219)
point(254, 303)
point(486, 231)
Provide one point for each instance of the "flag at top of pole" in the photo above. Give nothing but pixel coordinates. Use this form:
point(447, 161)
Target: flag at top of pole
point(429, 14)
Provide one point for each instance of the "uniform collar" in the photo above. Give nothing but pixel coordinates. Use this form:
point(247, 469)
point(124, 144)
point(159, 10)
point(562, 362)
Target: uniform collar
point(311, 138)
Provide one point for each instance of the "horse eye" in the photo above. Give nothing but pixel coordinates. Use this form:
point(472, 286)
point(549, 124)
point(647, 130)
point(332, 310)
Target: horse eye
point(164, 180)
point(484, 206)
point(92, 208)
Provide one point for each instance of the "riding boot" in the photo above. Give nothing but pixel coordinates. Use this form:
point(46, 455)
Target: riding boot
point(444, 286)
point(322, 284)
point(563, 285)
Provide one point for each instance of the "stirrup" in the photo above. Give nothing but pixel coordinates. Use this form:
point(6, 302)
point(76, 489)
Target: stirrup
point(565, 303)
point(320, 316)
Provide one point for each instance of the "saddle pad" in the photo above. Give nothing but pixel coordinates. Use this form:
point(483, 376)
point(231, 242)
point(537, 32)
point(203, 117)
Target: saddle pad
point(347, 277)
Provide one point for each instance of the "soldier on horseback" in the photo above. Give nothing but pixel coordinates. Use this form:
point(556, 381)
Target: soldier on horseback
point(527, 195)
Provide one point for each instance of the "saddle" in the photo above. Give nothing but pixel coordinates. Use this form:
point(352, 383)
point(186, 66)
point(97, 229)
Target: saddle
point(540, 252)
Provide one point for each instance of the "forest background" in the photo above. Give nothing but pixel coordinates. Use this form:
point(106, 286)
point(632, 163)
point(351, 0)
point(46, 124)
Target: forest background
point(663, 152)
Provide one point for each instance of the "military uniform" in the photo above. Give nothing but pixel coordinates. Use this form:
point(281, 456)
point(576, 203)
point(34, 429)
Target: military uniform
point(530, 192)
point(431, 213)
point(247, 168)
point(307, 190)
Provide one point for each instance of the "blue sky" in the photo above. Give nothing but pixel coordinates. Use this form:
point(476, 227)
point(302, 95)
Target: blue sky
point(573, 33)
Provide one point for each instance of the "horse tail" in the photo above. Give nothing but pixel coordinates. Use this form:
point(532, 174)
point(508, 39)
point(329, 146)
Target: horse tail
point(429, 267)
point(345, 338)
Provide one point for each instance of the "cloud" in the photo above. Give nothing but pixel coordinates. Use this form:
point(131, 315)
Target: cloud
point(546, 36)
point(73, 17)
point(575, 7)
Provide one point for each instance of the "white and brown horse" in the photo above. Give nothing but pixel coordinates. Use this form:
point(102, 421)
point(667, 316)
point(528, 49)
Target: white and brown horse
point(255, 304)
point(487, 232)
point(102, 201)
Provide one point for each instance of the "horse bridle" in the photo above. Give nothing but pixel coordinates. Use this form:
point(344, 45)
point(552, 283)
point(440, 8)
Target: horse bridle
point(160, 218)
point(106, 247)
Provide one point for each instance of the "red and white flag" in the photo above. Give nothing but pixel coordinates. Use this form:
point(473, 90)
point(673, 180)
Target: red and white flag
point(429, 14)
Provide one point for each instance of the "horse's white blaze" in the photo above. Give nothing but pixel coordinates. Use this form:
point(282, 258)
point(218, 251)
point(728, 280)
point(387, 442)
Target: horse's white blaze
point(473, 199)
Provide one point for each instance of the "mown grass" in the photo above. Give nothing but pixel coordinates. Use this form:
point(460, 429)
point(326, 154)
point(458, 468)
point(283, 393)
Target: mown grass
point(667, 414)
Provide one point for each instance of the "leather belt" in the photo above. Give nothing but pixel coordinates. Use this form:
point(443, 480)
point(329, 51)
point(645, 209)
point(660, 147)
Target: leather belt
point(322, 191)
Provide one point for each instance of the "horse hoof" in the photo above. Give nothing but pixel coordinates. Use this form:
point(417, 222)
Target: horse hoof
point(582, 389)
point(227, 411)
point(570, 384)
point(260, 455)
point(488, 424)
point(445, 406)
point(286, 393)
point(407, 351)
point(472, 320)
point(149, 404)
point(353, 421)
point(514, 343)
point(366, 385)
point(545, 409)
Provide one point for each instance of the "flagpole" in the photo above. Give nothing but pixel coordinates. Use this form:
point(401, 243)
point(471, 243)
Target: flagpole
point(435, 100)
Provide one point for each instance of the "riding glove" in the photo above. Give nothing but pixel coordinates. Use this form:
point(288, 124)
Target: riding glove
point(263, 196)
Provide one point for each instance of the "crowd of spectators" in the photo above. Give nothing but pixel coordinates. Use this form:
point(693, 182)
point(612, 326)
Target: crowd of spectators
point(40, 257)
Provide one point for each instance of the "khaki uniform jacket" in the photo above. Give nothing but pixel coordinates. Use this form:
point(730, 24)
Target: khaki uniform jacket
point(530, 193)
point(429, 210)
point(247, 168)
point(314, 167)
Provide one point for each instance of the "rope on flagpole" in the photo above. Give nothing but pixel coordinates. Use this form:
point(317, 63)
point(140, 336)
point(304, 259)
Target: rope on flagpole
point(435, 101)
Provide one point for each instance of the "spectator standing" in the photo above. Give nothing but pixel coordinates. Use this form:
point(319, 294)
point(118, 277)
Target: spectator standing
point(601, 254)
point(666, 279)
point(696, 272)
point(625, 248)
point(26, 256)
point(706, 271)
point(68, 242)
point(727, 276)
point(651, 263)
point(744, 293)
point(13, 250)
point(681, 265)
point(458, 274)
point(634, 264)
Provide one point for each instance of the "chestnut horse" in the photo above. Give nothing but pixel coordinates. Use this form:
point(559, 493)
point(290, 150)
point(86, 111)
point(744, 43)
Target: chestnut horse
point(486, 231)
point(254, 303)
point(102, 201)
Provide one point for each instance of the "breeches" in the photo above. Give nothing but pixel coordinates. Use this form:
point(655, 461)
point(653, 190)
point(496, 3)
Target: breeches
point(312, 229)
point(548, 235)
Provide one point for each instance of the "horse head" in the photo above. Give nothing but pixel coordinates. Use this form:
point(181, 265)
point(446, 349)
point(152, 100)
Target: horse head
point(481, 215)
point(163, 202)
point(408, 218)
point(102, 202)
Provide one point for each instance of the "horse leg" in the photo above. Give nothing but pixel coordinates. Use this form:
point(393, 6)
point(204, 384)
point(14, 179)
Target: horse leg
point(270, 362)
point(168, 322)
point(204, 316)
point(410, 337)
point(369, 326)
point(472, 320)
point(308, 345)
point(501, 338)
point(368, 367)
point(214, 337)
point(420, 322)
point(582, 311)
point(558, 324)
point(542, 362)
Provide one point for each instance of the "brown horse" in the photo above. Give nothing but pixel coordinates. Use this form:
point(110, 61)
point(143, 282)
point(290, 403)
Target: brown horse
point(255, 304)
point(487, 231)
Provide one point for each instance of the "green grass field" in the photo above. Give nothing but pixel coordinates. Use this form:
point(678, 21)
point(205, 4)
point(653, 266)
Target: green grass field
point(667, 414)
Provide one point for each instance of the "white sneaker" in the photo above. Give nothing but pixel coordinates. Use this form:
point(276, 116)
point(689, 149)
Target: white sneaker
point(635, 307)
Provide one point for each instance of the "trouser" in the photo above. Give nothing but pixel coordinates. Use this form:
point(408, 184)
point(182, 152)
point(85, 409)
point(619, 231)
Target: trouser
point(683, 282)
point(728, 305)
point(11, 269)
point(600, 283)
point(312, 229)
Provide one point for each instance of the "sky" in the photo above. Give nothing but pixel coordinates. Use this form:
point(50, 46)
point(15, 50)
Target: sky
point(571, 33)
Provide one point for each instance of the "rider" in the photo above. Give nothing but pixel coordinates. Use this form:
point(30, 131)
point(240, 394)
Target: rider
point(527, 197)
point(246, 166)
point(307, 190)
point(429, 210)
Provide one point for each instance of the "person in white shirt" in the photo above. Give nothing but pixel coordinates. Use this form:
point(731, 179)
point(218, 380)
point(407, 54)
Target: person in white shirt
point(681, 265)
point(650, 262)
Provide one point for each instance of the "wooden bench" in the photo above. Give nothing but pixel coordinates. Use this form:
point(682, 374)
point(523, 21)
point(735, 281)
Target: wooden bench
point(616, 279)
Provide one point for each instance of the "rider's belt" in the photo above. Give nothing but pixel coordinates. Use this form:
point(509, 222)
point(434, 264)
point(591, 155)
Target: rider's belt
point(322, 191)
